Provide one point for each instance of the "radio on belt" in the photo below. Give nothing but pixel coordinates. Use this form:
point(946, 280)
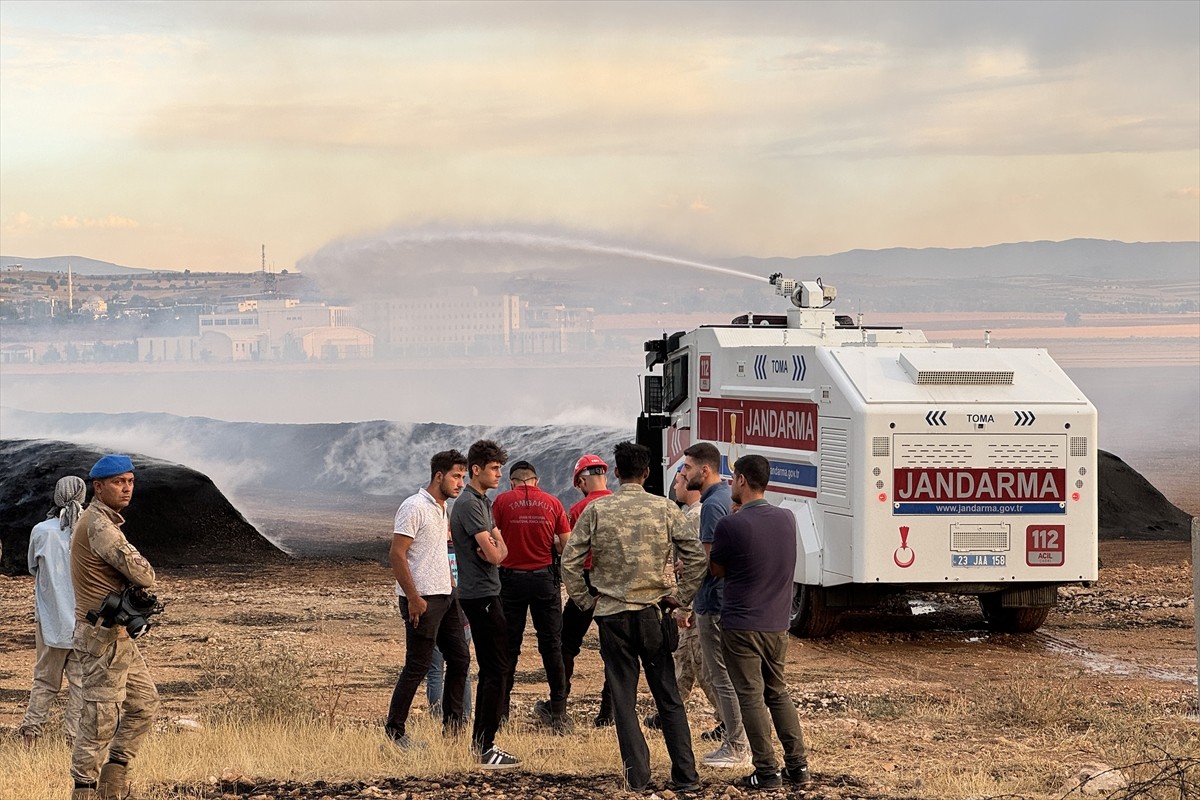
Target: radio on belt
point(908, 464)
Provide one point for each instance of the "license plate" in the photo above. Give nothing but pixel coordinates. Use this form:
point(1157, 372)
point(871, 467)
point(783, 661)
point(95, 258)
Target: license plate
point(980, 560)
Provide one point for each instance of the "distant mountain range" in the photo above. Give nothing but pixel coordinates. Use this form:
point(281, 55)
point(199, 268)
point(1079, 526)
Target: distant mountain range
point(1087, 258)
point(79, 265)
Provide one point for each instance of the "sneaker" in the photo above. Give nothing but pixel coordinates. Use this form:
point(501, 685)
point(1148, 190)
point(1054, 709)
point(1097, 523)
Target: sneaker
point(653, 722)
point(405, 742)
point(495, 758)
point(762, 780)
point(797, 775)
point(541, 710)
point(716, 734)
point(726, 757)
point(602, 721)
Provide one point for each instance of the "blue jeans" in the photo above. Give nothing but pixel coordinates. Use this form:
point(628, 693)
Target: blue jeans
point(433, 683)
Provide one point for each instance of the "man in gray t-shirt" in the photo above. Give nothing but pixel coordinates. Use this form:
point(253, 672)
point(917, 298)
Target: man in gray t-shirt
point(479, 547)
point(470, 516)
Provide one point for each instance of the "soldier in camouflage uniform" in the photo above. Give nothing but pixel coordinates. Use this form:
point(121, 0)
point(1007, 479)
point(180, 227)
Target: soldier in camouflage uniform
point(631, 535)
point(119, 698)
point(690, 669)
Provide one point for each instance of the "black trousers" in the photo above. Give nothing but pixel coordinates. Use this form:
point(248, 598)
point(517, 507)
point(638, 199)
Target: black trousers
point(632, 641)
point(534, 593)
point(489, 632)
point(440, 625)
point(575, 622)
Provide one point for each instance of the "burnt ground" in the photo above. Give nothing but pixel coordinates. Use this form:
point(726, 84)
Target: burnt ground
point(506, 784)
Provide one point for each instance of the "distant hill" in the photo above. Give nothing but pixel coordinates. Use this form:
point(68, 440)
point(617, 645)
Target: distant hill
point(79, 265)
point(1087, 258)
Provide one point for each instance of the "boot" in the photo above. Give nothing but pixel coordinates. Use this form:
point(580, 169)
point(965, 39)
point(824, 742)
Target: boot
point(114, 784)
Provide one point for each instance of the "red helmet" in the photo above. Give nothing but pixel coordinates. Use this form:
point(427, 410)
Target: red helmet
point(586, 462)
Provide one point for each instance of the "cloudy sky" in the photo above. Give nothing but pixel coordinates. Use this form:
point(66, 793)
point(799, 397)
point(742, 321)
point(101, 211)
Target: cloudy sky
point(188, 134)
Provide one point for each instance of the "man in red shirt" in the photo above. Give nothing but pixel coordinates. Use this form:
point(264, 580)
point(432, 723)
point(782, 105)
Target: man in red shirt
point(536, 529)
point(591, 478)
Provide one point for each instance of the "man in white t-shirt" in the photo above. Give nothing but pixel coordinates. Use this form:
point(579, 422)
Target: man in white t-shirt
point(426, 595)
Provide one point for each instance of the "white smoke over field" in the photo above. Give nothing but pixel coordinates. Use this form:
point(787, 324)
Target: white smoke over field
point(365, 458)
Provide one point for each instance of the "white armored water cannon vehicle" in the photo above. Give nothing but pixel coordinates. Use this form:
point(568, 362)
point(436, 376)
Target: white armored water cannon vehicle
point(909, 465)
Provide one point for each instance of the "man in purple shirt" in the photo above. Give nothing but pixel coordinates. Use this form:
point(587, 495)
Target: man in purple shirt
point(755, 551)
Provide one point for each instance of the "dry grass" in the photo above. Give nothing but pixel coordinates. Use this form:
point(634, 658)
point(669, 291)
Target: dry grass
point(306, 750)
point(1022, 741)
point(937, 713)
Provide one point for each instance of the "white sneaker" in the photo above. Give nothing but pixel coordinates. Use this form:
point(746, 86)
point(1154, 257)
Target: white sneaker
point(495, 758)
point(727, 757)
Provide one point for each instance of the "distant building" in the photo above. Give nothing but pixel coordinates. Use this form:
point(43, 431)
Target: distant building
point(264, 329)
point(555, 329)
point(16, 354)
point(467, 323)
point(463, 323)
point(96, 306)
point(274, 318)
point(330, 343)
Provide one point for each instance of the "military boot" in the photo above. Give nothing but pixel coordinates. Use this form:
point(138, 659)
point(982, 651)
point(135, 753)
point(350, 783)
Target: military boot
point(114, 783)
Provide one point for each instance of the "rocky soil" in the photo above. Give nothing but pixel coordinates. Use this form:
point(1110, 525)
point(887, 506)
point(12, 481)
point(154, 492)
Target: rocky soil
point(868, 696)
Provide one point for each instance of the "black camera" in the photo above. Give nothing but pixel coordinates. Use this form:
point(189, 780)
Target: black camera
point(130, 609)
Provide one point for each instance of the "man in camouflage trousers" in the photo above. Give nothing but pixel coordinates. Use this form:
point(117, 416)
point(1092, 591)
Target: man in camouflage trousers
point(119, 698)
point(631, 536)
point(690, 669)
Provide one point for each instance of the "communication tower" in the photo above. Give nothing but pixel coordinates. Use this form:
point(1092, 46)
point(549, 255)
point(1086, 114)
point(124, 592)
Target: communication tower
point(268, 278)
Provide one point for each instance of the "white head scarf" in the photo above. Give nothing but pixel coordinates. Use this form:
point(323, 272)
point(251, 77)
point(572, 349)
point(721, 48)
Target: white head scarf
point(69, 493)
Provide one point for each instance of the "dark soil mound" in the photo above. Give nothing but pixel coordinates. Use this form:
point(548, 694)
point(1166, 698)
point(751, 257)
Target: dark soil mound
point(1131, 508)
point(177, 516)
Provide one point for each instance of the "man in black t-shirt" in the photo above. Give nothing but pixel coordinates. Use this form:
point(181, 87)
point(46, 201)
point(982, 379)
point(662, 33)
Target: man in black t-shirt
point(479, 548)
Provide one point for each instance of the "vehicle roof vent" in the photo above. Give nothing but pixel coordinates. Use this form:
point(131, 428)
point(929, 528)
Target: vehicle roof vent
point(952, 367)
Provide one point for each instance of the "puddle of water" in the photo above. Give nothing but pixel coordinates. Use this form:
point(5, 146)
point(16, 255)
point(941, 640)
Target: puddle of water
point(1102, 664)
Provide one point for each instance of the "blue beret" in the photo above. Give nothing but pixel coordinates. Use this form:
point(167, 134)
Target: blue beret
point(111, 465)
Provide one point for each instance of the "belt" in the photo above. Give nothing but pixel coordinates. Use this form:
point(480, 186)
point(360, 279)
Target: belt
point(510, 571)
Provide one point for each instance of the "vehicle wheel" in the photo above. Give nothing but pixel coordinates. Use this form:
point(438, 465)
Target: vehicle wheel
point(1011, 620)
point(811, 618)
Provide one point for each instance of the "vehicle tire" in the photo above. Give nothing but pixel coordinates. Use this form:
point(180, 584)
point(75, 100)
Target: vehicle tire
point(811, 618)
point(1011, 620)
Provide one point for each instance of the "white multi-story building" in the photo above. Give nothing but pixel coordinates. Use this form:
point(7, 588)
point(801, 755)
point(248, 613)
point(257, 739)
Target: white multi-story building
point(448, 324)
point(467, 323)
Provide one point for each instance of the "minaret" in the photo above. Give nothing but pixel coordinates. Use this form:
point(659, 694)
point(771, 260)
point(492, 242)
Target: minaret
point(70, 289)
